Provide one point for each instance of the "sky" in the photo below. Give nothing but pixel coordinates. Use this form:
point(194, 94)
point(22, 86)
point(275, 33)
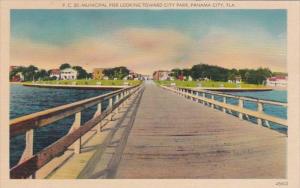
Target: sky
point(149, 40)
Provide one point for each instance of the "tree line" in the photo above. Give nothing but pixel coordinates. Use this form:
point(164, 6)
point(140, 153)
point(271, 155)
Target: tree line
point(216, 73)
point(32, 72)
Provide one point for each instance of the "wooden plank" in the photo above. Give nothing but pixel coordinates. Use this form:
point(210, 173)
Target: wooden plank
point(177, 138)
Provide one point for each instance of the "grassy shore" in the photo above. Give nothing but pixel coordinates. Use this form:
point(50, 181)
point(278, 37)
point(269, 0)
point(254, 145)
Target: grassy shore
point(88, 82)
point(208, 84)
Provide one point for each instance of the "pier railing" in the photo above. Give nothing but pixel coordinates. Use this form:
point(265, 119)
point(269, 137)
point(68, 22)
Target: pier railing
point(209, 98)
point(30, 162)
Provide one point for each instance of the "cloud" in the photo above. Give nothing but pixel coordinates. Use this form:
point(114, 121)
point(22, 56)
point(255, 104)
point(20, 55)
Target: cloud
point(251, 48)
point(147, 49)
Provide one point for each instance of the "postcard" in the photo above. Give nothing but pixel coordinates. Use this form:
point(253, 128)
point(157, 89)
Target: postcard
point(150, 93)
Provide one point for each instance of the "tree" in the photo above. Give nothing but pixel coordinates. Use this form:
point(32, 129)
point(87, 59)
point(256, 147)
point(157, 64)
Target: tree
point(15, 71)
point(120, 72)
point(117, 72)
point(64, 66)
point(30, 73)
point(176, 72)
point(232, 74)
point(216, 73)
point(186, 72)
point(257, 76)
point(109, 73)
point(42, 75)
point(243, 72)
point(82, 74)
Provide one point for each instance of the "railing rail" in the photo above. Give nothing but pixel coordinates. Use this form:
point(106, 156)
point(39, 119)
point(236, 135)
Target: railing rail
point(251, 99)
point(260, 115)
point(29, 162)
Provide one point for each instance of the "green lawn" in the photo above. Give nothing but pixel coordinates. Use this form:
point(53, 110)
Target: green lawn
point(215, 84)
point(89, 82)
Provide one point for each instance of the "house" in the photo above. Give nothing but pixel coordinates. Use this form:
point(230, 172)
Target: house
point(132, 75)
point(98, 73)
point(55, 73)
point(238, 79)
point(68, 74)
point(19, 77)
point(277, 81)
point(161, 75)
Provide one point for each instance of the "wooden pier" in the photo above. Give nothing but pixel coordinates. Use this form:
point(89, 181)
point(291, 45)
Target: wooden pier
point(177, 138)
point(158, 133)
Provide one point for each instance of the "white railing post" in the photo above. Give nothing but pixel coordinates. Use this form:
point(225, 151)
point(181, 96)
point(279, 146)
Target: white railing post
point(212, 98)
point(224, 101)
point(28, 151)
point(120, 106)
point(260, 109)
point(192, 94)
point(202, 95)
point(76, 125)
point(187, 93)
point(117, 100)
point(98, 113)
point(267, 124)
point(241, 105)
point(198, 100)
point(110, 104)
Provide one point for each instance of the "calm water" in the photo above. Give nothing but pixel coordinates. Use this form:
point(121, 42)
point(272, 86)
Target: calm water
point(275, 95)
point(277, 111)
point(27, 100)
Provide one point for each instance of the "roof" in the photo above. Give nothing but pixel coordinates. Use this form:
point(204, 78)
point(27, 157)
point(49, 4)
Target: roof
point(68, 70)
point(274, 78)
point(55, 71)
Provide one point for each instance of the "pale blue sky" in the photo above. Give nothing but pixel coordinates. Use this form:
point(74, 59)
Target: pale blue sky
point(60, 26)
point(236, 37)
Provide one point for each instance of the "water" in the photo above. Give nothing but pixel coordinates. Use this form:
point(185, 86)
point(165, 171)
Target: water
point(27, 100)
point(273, 110)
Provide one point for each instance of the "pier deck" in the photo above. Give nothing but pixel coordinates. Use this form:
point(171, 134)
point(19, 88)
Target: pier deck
point(172, 137)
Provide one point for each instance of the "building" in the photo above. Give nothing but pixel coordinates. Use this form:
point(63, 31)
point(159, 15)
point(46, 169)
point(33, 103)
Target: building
point(19, 77)
point(277, 81)
point(161, 75)
point(238, 79)
point(132, 75)
point(68, 74)
point(55, 73)
point(98, 73)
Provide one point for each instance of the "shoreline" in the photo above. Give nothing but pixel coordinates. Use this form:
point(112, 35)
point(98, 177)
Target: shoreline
point(61, 86)
point(231, 89)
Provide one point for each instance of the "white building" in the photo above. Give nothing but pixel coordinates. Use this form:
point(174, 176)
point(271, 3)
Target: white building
point(277, 81)
point(68, 74)
point(55, 73)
